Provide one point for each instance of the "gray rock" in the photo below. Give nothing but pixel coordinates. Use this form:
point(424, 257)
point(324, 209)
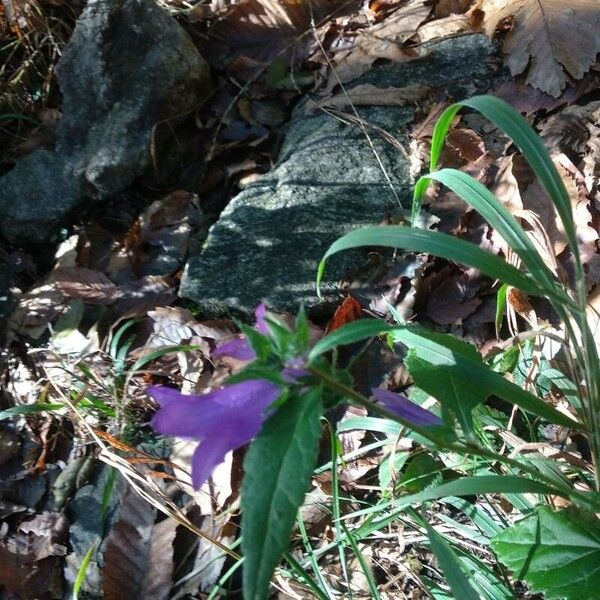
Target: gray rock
point(327, 182)
point(127, 67)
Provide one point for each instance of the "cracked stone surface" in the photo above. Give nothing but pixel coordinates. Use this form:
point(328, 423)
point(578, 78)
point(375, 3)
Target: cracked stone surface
point(327, 181)
point(128, 66)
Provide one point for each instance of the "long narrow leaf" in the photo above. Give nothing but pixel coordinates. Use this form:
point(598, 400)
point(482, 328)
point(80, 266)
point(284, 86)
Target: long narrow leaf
point(433, 242)
point(498, 216)
point(457, 580)
point(531, 146)
point(458, 358)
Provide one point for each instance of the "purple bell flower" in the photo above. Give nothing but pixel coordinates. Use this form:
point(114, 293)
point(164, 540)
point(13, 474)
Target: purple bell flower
point(403, 407)
point(223, 420)
point(238, 347)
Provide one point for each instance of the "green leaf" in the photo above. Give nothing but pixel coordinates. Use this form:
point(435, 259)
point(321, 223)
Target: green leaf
point(456, 395)
point(500, 308)
point(433, 242)
point(556, 553)
point(529, 143)
point(82, 571)
point(479, 484)
point(459, 359)
point(278, 469)
point(451, 567)
point(500, 218)
point(462, 362)
point(348, 334)
point(27, 409)
point(421, 472)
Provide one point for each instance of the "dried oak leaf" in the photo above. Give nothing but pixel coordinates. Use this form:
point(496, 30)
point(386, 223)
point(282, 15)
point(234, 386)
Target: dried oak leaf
point(30, 560)
point(552, 39)
point(129, 548)
point(385, 40)
point(262, 30)
point(85, 284)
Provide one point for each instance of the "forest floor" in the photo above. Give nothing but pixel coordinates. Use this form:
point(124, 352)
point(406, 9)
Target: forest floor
point(79, 346)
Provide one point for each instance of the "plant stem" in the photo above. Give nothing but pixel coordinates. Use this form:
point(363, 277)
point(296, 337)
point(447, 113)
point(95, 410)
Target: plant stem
point(585, 500)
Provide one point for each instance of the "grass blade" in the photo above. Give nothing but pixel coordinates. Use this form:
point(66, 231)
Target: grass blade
point(450, 565)
point(439, 244)
point(498, 216)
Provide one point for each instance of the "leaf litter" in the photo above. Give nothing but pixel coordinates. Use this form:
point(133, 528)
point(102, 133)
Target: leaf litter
point(110, 300)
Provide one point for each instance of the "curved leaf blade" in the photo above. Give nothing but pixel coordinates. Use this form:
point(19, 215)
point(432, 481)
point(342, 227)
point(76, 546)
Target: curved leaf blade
point(278, 467)
point(433, 242)
point(498, 216)
point(450, 564)
point(506, 118)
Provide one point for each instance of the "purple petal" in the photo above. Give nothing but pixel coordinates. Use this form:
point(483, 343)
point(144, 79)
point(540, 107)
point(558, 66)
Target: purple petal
point(406, 409)
point(261, 325)
point(235, 348)
point(292, 374)
point(212, 450)
point(197, 416)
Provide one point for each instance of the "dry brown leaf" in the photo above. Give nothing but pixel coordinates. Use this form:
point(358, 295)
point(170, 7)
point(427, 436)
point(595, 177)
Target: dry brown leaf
point(30, 560)
point(158, 580)
point(445, 27)
point(371, 95)
point(36, 309)
point(552, 39)
point(85, 284)
point(262, 30)
point(527, 100)
point(445, 8)
point(454, 299)
point(382, 40)
point(128, 548)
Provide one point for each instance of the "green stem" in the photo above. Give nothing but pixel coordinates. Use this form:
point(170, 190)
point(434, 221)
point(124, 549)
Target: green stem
point(585, 500)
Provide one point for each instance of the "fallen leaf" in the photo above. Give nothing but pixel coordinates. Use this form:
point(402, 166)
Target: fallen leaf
point(350, 310)
point(128, 548)
point(445, 8)
point(371, 95)
point(445, 27)
point(30, 560)
point(568, 131)
point(84, 284)
point(527, 100)
point(552, 39)
point(35, 310)
point(382, 40)
point(158, 579)
point(265, 29)
point(454, 299)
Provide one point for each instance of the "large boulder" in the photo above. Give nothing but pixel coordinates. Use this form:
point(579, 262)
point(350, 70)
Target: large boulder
point(128, 66)
point(330, 178)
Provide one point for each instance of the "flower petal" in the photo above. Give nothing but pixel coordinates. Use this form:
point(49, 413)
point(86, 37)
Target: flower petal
point(403, 407)
point(212, 450)
point(235, 348)
point(197, 416)
point(292, 374)
point(261, 325)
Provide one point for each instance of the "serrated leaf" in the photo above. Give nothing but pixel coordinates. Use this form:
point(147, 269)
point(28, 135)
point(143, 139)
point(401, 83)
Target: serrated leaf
point(278, 469)
point(556, 553)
